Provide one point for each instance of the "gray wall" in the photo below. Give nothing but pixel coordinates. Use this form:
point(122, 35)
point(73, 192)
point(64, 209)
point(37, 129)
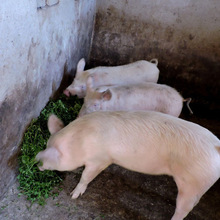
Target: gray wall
point(183, 35)
point(38, 46)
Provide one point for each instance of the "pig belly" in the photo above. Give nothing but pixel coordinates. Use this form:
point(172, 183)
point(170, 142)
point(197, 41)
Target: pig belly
point(159, 163)
point(140, 158)
point(140, 164)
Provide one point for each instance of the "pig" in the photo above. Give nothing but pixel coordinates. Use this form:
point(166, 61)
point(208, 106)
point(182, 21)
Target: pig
point(143, 96)
point(144, 141)
point(139, 71)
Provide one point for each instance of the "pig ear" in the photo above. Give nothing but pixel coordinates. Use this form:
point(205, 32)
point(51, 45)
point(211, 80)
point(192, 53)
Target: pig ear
point(89, 83)
point(106, 95)
point(54, 124)
point(81, 65)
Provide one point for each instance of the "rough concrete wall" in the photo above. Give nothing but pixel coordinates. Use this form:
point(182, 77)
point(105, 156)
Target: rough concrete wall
point(183, 35)
point(37, 46)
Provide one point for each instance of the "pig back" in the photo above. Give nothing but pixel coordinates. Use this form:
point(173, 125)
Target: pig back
point(142, 96)
point(137, 72)
point(152, 142)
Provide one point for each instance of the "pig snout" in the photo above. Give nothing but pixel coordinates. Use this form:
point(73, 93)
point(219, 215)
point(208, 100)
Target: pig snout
point(39, 161)
point(66, 92)
point(41, 168)
point(75, 91)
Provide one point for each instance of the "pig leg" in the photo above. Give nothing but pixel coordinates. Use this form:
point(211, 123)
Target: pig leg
point(89, 173)
point(188, 196)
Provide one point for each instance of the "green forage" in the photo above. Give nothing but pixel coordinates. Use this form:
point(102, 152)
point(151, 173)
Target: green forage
point(33, 183)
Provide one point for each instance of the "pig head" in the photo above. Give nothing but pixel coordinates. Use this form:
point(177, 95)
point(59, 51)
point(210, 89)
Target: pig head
point(95, 98)
point(78, 86)
point(59, 152)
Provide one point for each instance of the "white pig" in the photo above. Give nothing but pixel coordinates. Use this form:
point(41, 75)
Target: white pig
point(143, 96)
point(146, 142)
point(139, 71)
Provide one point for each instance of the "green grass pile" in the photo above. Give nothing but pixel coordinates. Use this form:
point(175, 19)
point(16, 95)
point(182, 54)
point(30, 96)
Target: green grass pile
point(33, 183)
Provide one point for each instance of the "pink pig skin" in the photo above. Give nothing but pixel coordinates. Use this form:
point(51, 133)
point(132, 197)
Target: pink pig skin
point(146, 142)
point(142, 96)
point(139, 71)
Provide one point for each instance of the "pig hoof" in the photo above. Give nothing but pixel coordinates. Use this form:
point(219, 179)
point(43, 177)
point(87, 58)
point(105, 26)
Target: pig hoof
point(74, 194)
point(79, 190)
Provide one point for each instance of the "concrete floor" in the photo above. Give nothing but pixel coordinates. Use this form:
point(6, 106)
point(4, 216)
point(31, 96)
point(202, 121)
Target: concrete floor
point(116, 194)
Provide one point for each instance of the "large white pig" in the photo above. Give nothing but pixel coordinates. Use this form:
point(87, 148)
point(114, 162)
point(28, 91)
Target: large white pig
point(139, 71)
point(146, 142)
point(143, 96)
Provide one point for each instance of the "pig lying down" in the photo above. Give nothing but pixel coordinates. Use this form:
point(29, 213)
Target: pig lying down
point(139, 71)
point(143, 96)
point(147, 142)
